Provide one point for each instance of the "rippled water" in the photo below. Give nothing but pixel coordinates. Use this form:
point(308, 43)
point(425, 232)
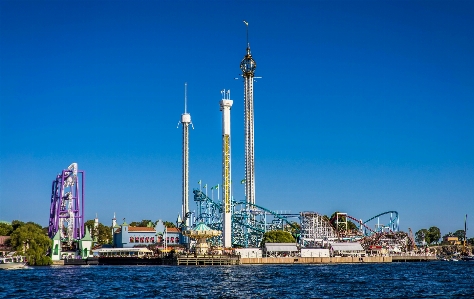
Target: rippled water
point(396, 280)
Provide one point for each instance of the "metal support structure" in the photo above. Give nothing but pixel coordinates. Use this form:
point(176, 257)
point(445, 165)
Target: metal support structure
point(315, 229)
point(249, 222)
point(393, 224)
point(343, 220)
point(185, 121)
point(66, 213)
point(248, 66)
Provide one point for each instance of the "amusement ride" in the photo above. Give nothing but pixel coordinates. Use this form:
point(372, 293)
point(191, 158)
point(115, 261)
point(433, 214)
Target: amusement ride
point(228, 222)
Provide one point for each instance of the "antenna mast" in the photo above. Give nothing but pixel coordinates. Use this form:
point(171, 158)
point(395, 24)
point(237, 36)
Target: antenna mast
point(247, 25)
point(185, 96)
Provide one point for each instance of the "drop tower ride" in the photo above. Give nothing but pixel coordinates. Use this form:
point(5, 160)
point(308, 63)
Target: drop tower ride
point(248, 66)
point(225, 106)
point(185, 121)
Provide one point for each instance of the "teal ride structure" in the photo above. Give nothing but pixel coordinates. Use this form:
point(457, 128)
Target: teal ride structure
point(250, 222)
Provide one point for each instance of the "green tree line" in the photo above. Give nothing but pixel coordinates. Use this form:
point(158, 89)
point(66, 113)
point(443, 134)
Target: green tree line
point(432, 236)
point(28, 239)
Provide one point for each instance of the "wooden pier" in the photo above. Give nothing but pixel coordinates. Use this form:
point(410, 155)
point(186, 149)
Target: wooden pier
point(221, 260)
point(209, 260)
point(336, 260)
point(413, 258)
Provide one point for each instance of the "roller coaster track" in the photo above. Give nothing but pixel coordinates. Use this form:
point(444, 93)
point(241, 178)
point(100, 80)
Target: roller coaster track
point(353, 219)
point(249, 221)
point(392, 225)
point(274, 214)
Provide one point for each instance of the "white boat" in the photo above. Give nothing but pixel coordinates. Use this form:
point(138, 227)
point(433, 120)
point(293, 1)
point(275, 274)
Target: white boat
point(12, 262)
point(469, 258)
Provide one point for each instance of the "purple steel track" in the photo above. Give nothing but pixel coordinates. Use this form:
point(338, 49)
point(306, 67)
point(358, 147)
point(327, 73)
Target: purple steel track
point(60, 202)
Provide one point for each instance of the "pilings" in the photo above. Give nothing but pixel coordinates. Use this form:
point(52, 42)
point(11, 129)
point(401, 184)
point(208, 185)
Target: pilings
point(215, 260)
point(413, 258)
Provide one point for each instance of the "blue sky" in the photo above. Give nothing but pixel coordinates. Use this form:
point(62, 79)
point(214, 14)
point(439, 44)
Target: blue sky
point(364, 106)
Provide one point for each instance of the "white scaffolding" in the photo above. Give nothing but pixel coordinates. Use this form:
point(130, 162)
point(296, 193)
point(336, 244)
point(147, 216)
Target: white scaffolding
point(315, 229)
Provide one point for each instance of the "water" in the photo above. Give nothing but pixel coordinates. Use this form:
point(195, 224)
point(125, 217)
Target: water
point(395, 280)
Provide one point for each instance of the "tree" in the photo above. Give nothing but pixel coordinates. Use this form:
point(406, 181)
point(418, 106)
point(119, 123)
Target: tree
point(435, 234)
point(460, 234)
point(169, 224)
point(17, 223)
point(450, 234)
point(5, 229)
point(143, 223)
point(103, 232)
point(29, 239)
point(277, 236)
point(470, 241)
point(422, 236)
point(342, 218)
point(293, 228)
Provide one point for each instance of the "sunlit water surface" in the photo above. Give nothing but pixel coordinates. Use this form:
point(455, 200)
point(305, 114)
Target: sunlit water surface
point(395, 280)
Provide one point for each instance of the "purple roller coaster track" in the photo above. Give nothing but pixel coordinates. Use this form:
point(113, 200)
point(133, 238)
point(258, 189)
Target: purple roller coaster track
point(67, 205)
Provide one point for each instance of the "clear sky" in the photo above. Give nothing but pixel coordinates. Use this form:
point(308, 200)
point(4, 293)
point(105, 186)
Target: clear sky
point(364, 106)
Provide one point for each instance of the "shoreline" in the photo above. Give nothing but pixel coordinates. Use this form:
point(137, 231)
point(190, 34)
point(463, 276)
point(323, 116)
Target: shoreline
point(221, 260)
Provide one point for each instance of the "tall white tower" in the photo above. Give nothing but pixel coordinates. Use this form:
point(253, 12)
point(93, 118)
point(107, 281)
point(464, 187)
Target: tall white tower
point(96, 227)
point(248, 66)
point(185, 121)
point(225, 106)
point(96, 222)
point(114, 221)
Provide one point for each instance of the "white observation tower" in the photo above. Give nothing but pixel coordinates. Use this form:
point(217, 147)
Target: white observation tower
point(225, 106)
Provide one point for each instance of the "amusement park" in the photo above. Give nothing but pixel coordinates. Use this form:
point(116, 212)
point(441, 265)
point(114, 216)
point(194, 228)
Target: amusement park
point(226, 226)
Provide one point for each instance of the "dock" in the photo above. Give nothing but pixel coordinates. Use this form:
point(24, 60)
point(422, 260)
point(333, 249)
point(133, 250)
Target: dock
point(413, 258)
point(335, 260)
point(221, 260)
point(210, 260)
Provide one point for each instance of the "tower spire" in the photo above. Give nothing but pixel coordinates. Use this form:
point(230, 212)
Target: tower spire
point(185, 96)
point(248, 66)
point(247, 26)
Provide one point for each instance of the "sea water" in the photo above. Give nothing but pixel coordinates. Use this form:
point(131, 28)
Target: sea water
point(387, 280)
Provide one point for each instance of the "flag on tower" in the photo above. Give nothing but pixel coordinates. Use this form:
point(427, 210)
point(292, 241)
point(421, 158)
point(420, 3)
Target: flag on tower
point(216, 187)
point(199, 182)
point(242, 181)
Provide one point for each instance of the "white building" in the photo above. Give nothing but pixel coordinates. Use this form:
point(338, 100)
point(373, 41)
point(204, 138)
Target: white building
point(347, 249)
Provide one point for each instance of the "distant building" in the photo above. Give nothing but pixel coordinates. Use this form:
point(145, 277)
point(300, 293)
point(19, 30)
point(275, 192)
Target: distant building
point(451, 240)
point(4, 248)
point(347, 249)
point(125, 236)
point(314, 252)
point(249, 252)
point(281, 249)
point(173, 236)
